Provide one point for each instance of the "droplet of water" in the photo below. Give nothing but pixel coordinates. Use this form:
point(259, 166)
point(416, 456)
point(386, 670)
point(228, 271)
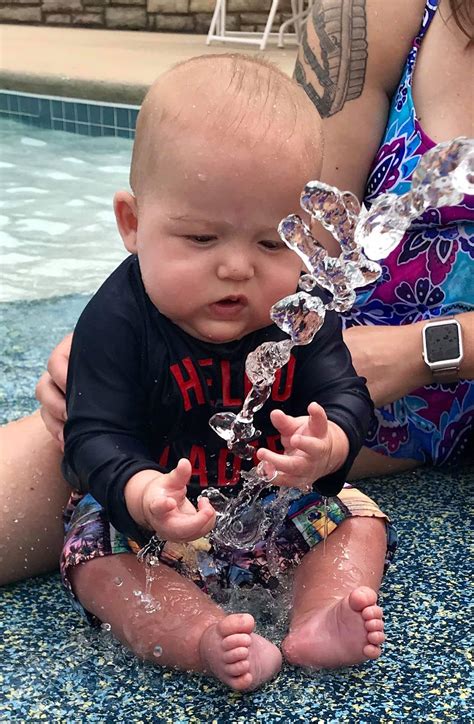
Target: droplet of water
point(157, 651)
point(118, 581)
point(106, 627)
point(137, 593)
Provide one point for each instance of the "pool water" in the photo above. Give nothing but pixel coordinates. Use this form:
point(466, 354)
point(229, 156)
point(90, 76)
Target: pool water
point(58, 242)
point(57, 227)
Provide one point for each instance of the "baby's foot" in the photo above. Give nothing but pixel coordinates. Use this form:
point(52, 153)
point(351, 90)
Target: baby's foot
point(347, 633)
point(237, 656)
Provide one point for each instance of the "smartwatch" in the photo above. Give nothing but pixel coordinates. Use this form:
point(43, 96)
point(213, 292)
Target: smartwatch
point(442, 349)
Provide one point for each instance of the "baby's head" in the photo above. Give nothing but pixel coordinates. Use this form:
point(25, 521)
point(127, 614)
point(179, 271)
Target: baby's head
point(224, 146)
point(227, 100)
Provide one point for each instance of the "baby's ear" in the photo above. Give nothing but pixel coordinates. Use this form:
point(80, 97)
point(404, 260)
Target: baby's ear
point(125, 207)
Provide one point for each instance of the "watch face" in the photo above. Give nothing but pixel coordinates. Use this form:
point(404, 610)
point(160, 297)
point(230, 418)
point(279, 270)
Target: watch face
point(442, 342)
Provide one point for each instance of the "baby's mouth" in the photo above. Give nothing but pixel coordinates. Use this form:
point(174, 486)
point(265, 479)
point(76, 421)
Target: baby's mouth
point(232, 304)
point(232, 301)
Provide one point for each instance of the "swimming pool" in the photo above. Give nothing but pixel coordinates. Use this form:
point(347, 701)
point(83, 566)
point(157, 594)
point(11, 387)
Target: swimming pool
point(58, 242)
point(57, 227)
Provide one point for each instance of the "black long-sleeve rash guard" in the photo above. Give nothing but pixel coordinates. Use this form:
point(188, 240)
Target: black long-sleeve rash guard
point(140, 393)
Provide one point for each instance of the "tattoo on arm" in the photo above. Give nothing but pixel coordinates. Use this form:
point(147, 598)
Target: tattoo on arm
point(340, 30)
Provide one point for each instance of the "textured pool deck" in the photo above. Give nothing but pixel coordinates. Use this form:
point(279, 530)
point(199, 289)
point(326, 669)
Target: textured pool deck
point(106, 65)
point(55, 669)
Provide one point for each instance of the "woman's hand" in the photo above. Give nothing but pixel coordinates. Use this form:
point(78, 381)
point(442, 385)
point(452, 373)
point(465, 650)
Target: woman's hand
point(51, 388)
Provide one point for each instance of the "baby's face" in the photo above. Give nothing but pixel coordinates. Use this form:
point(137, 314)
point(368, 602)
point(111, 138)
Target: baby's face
point(210, 255)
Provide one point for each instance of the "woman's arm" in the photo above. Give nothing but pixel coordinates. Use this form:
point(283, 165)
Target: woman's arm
point(361, 46)
point(391, 357)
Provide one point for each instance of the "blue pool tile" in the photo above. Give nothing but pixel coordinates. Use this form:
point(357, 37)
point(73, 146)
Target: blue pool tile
point(108, 116)
point(133, 117)
point(43, 122)
point(29, 105)
point(13, 103)
point(94, 114)
point(82, 112)
point(79, 116)
point(27, 119)
point(45, 112)
point(83, 129)
point(69, 111)
point(57, 110)
point(122, 117)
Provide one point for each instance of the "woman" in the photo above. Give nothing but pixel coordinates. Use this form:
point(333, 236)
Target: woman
point(386, 99)
point(352, 58)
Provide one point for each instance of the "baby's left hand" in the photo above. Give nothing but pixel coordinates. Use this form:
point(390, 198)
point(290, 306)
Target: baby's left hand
point(314, 447)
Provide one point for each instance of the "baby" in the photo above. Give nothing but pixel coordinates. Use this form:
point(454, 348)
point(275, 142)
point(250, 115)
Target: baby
point(223, 148)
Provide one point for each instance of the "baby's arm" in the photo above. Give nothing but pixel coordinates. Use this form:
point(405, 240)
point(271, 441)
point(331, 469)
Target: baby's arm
point(158, 501)
point(314, 447)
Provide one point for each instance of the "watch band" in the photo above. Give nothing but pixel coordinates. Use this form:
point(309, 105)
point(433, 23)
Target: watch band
point(447, 374)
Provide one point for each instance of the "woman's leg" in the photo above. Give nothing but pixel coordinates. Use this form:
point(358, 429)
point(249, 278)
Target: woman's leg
point(369, 463)
point(335, 620)
point(185, 630)
point(32, 498)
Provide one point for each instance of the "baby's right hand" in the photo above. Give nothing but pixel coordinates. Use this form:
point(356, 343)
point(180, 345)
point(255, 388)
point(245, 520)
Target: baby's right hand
point(165, 507)
point(51, 388)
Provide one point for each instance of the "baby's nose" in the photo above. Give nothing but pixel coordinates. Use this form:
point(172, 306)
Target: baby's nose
point(237, 265)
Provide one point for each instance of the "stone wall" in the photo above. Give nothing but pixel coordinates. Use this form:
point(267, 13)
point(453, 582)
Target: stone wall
point(176, 16)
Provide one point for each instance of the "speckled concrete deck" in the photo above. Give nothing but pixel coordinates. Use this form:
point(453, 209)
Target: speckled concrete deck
point(55, 669)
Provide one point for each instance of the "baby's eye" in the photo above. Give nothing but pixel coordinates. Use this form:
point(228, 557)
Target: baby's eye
point(272, 245)
point(201, 239)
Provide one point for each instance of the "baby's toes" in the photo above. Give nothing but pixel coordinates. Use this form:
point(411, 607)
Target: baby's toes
point(237, 654)
point(371, 651)
point(372, 612)
point(374, 624)
point(239, 668)
point(235, 641)
point(376, 637)
point(236, 623)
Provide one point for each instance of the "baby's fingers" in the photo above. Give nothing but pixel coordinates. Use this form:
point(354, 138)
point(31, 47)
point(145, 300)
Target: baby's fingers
point(318, 421)
point(179, 477)
point(162, 504)
point(311, 446)
point(295, 465)
point(190, 527)
point(285, 424)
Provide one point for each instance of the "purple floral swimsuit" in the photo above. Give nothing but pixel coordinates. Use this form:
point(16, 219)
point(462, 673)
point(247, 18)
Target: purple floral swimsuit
point(428, 275)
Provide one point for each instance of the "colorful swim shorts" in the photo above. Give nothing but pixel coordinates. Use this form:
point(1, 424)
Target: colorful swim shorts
point(89, 535)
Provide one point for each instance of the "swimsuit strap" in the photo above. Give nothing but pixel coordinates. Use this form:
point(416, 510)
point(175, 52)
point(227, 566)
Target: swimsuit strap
point(429, 12)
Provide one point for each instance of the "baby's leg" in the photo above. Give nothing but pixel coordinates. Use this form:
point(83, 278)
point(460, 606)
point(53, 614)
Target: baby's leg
point(335, 619)
point(187, 630)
